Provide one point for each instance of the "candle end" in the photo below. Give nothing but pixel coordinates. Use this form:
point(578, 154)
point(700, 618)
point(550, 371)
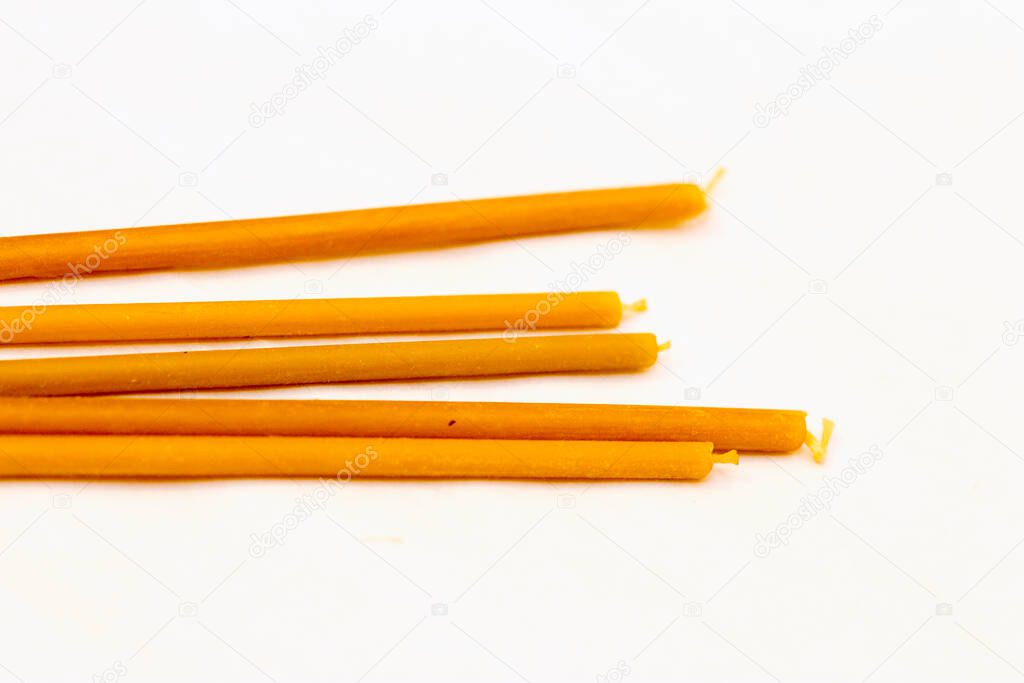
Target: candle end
point(728, 458)
point(819, 447)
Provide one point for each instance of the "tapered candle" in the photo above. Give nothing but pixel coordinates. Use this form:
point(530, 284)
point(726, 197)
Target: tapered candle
point(325, 364)
point(508, 313)
point(344, 233)
point(344, 458)
point(751, 430)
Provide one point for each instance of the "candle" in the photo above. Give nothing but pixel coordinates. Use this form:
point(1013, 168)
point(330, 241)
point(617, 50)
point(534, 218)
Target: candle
point(750, 430)
point(509, 313)
point(344, 458)
point(345, 233)
point(178, 370)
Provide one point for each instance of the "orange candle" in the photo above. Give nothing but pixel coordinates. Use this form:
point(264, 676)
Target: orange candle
point(343, 458)
point(346, 233)
point(328, 363)
point(751, 430)
point(509, 313)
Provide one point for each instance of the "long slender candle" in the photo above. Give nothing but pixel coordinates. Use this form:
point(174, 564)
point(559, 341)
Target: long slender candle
point(750, 430)
point(171, 371)
point(345, 233)
point(342, 458)
point(508, 313)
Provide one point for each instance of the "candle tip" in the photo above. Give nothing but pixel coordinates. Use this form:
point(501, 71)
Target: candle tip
point(665, 346)
point(638, 306)
point(819, 447)
point(727, 458)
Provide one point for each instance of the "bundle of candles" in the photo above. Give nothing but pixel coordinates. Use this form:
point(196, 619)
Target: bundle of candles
point(54, 423)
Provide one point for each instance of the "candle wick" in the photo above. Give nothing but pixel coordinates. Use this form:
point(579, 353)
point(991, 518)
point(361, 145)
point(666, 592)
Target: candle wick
point(638, 306)
point(715, 177)
point(819, 447)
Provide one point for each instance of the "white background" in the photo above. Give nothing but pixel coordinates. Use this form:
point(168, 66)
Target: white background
point(834, 274)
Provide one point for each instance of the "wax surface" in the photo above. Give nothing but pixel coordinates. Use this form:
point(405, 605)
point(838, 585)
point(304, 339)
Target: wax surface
point(327, 363)
point(750, 430)
point(344, 233)
point(509, 313)
point(343, 458)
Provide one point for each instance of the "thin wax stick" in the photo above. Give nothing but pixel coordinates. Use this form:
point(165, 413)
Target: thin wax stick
point(751, 430)
point(345, 458)
point(327, 363)
point(344, 233)
point(509, 313)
